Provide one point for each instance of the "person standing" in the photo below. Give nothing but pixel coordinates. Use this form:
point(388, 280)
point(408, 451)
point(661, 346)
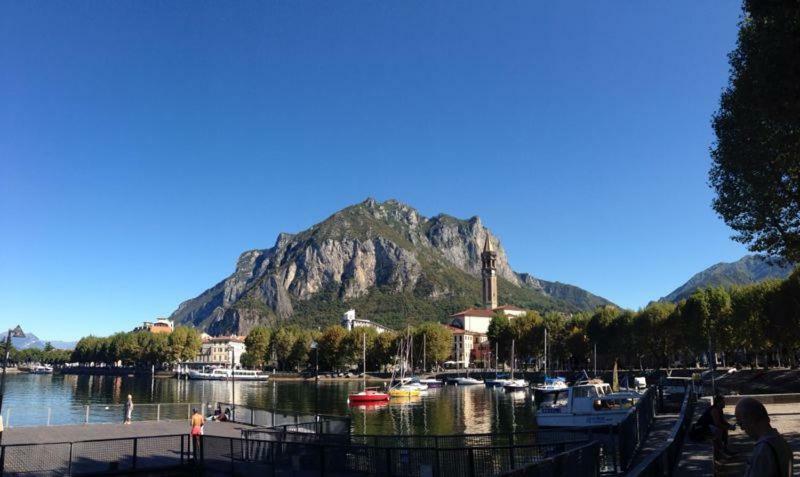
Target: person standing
point(129, 410)
point(772, 456)
point(197, 422)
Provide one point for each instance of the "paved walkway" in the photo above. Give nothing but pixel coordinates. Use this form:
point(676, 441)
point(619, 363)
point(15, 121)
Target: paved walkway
point(83, 432)
point(785, 418)
point(660, 431)
point(695, 456)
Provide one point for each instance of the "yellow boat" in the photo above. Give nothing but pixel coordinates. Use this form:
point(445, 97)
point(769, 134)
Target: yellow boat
point(403, 391)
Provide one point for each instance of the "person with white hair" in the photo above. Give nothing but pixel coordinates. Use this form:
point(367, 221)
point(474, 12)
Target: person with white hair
point(772, 456)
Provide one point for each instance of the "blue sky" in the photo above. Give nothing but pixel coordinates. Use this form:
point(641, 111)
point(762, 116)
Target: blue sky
point(145, 144)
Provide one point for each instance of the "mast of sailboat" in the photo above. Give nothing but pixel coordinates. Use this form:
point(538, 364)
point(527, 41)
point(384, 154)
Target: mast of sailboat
point(595, 360)
point(512, 359)
point(496, 360)
point(424, 351)
point(364, 357)
point(545, 352)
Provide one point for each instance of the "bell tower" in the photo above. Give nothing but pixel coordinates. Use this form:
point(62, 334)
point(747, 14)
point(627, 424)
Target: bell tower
point(489, 275)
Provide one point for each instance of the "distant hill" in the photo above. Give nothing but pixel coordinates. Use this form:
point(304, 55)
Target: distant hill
point(32, 341)
point(386, 260)
point(749, 269)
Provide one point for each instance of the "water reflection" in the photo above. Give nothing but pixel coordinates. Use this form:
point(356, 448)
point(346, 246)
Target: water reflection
point(447, 410)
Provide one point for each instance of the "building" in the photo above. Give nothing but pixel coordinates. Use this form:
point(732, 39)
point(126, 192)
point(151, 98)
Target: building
point(349, 321)
point(470, 326)
point(217, 350)
point(464, 344)
point(161, 325)
point(489, 275)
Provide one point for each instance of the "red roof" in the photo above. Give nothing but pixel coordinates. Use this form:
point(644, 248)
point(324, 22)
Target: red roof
point(509, 308)
point(475, 312)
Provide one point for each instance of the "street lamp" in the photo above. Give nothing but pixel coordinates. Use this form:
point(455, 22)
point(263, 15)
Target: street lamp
point(233, 384)
point(315, 347)
point(16, 333)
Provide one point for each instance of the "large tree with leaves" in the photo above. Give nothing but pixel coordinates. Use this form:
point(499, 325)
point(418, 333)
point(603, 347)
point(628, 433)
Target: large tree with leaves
point(756, 168)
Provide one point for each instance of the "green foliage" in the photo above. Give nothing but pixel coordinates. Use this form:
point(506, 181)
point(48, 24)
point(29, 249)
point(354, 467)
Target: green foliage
point(756, 164)
point(257, 345)
point(333, 352)
point(437, 342)
point(500, 336)
point(184, 343)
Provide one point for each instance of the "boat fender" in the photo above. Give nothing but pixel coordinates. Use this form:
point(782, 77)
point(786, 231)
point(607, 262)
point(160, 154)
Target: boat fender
point(597, 405)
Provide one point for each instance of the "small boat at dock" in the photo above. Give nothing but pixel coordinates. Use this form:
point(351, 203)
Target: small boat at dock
point(368, 395)
point(225, 374)
point(41, 369)
point(586, 403)
point(431, 383)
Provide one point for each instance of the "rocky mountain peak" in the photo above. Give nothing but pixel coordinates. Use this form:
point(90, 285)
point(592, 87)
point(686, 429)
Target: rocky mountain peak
point(367, 250)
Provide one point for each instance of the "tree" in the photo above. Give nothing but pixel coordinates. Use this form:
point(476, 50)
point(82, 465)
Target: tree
point(436, 340)
point(184, 343)
point(332, 355)
point(283, 341)
point(257, 345)
point(756, 158)
point(353, 343)
point(382, 351)
point(500, 335)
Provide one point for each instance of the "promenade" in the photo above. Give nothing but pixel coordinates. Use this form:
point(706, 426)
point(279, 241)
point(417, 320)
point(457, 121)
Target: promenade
point(83, 432)
point(696, 458)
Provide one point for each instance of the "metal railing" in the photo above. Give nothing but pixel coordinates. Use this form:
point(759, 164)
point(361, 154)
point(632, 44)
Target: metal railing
point(287, 420)
point(239, 456)
point(633, 430)
point(94, 414)
point(662, 462)
point(94, 457)
point(581, 461)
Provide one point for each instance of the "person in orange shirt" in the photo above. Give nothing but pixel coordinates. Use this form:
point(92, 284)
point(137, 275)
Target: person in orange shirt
point(197, 423)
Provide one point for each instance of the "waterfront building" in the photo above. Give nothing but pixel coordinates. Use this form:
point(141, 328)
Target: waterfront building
point(217, 350)
point(161, 325)
point(349, 321)
point(470, 326)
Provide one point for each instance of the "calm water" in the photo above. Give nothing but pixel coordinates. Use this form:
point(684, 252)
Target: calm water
point(452, 409)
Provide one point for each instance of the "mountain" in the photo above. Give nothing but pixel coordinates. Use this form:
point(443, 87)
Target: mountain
point(32, 341)
point(385, 260)
point(749, 269)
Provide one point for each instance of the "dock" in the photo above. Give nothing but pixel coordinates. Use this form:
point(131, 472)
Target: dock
point(83, 432)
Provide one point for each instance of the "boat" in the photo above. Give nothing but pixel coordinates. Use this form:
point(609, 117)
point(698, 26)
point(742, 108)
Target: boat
point(466, 381)
point(404, 391)
point(551, 384)
point(515, 384)
point(403, 386)
point(41, 369)
point(431, 383)
point(586, 403)
point(499, 380)
point(366, 394)
point(224, 374)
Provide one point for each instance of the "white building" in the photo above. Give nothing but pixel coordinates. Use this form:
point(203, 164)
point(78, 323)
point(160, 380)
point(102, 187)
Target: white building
point(349, 321)
point(217, 350)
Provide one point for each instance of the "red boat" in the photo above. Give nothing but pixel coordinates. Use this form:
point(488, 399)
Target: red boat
point(368, 395)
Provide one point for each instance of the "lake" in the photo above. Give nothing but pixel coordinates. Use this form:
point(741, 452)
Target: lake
point(62, 399)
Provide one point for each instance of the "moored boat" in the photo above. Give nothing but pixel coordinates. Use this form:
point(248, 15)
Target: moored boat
point(41, 369)
point(404, 391)
point(551, 384)
point(516, 385)
point(431, 383)
point(587, 403)
point(225, 374)
point(368, 395)
point(466, 381)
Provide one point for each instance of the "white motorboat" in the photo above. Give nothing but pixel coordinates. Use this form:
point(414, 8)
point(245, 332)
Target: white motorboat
point(516, 385)
point(588, 403)
point(466, 381)
point(551, 384)
point(224, 374)
point(41, 369)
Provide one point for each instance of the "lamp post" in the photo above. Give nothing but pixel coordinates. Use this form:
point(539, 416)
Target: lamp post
point(315, 347)
point(16, 333)
point(233, 384)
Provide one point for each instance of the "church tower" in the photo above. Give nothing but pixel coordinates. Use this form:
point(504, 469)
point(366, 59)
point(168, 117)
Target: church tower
point(489, 274)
